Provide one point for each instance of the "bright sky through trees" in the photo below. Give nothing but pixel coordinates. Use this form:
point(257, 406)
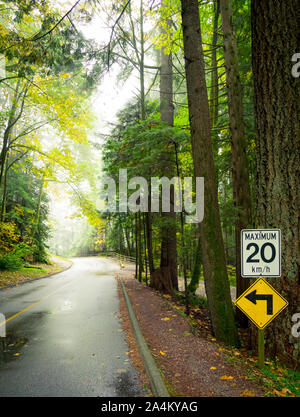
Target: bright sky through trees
point(110, 96)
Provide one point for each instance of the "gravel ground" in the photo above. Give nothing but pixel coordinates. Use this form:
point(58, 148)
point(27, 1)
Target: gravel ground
point(195, 366)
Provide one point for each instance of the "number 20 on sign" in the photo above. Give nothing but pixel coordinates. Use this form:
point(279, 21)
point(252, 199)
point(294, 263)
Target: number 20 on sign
point(260, 253)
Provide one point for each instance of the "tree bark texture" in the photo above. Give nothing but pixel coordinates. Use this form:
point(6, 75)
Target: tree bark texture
point(275, 38)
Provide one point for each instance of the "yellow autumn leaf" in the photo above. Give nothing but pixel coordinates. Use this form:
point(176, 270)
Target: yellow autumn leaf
point(212, 367)
point(248, 393)
point(226, 377)
point(165, 319)
point(162, 353)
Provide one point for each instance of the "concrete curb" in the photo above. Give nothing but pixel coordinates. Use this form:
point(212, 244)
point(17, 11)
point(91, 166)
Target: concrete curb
point(156, 382)
point(6, 287)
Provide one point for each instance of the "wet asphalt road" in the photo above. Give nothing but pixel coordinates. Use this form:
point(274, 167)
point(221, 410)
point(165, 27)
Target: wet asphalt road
point(68, 341)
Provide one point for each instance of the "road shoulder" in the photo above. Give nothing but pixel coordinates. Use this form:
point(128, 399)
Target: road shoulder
point(10, 279)
point(193, 366)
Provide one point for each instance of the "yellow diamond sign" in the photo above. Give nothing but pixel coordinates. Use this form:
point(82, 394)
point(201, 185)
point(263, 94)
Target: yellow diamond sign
point(261, 303)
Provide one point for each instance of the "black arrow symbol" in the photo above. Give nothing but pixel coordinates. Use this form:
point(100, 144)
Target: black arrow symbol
point(253, 297)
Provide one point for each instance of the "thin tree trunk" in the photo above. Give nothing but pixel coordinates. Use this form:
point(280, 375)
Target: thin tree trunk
point(194, 283)
point(214, 88)
point(7, 132)
point(128, 241)
point(240, 174)
point(3, 205)
point(149, 236)
point(145, 248)
point(141, 266)
point(142, 69)
point(186, 291)
point(136, 247)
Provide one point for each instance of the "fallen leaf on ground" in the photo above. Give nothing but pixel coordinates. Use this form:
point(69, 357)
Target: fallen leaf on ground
point(226, 377)
point(212, 367)
point(162, 353)
point(286, 391)
point(282, 393)
point(248, 393)
point(165, 319)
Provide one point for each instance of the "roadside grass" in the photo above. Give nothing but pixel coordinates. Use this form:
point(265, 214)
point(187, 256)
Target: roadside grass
point(282, 381)
point(230, 272)
point(275, 378)
point(27, 273)
point(58, 256)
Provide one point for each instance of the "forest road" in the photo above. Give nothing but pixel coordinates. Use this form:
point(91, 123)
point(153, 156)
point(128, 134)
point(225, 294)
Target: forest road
point(64, 336)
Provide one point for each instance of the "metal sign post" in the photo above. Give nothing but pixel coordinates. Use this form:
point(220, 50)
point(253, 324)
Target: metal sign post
point(261, 348)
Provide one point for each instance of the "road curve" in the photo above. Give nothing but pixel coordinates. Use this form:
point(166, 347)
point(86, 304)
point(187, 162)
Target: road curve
point(64, 336)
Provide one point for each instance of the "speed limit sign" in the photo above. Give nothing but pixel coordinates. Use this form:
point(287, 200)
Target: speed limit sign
point(260, 253)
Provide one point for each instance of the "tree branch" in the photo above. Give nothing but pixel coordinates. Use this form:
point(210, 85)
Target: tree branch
point(113, 30)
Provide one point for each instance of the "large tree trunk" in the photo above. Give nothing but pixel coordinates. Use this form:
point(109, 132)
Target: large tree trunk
point(214, 265)
point(240, 174)
point(168, 244)
point(275, 38)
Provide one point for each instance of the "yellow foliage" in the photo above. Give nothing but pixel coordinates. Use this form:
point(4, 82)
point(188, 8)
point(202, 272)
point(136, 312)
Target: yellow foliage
point(8, 236)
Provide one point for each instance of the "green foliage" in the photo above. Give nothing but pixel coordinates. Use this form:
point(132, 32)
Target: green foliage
point(29, 41)
point(16, 258)
point(11, 262)
point(194, 300)
point(281, 380)
point(23, 189)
